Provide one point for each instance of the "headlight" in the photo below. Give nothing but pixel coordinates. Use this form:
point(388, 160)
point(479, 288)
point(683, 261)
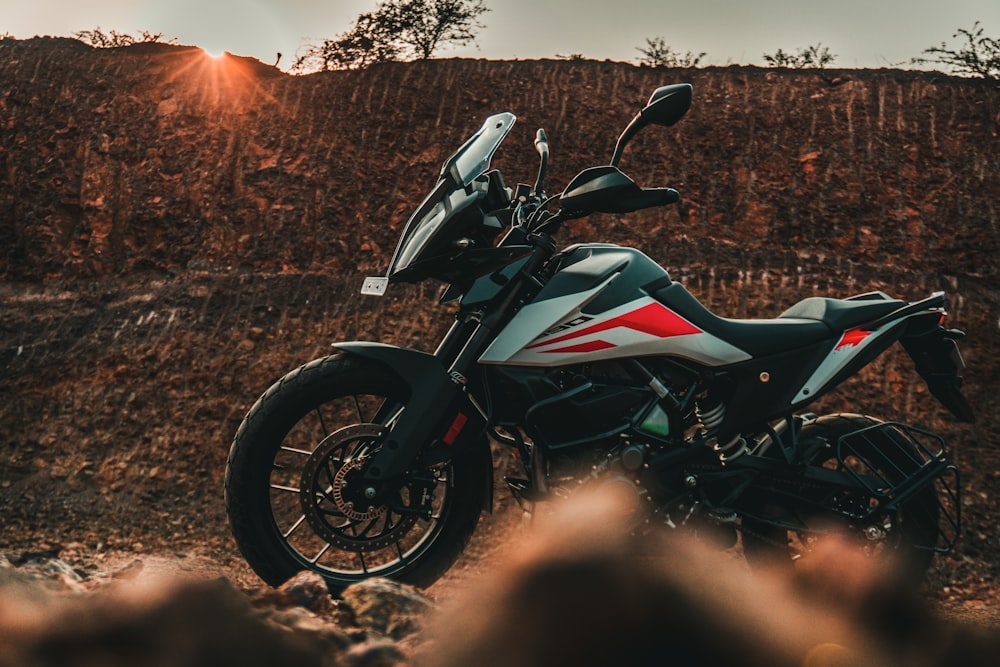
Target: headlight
point(422, 233)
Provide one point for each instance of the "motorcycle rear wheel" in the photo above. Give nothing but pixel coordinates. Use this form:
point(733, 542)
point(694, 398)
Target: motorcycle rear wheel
point(288, 493)
point(905, 536)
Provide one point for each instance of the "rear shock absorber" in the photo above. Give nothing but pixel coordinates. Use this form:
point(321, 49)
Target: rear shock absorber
point(711, 418)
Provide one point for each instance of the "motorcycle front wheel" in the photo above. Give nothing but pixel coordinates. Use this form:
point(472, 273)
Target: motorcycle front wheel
point(289, 493)
point(908, 535)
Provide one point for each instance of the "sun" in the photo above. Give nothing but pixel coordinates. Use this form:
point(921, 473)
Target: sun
point(219, 77)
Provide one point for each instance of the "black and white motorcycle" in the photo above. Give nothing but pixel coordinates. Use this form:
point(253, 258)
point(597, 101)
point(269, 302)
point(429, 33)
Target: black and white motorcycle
point(595, 367)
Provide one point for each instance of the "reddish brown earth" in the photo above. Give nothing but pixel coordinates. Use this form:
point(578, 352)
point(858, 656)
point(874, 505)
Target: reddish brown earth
point(178, 232)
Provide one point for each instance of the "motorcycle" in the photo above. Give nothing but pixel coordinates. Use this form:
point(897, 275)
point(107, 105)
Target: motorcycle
point(596, 368)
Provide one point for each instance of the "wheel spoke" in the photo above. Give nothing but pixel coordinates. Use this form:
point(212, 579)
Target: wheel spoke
point(294, 527)
point(319, 531)
point(293, 450)
point(322, 422)
point(330, 474)
point(322, 551)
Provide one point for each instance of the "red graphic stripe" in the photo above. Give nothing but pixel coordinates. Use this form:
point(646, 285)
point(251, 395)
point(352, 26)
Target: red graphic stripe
point(592, 346)
point(455, 429)
point(852, 338)
point(654, 319)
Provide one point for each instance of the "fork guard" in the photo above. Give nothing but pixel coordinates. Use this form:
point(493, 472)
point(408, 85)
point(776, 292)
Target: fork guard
point(439, 419)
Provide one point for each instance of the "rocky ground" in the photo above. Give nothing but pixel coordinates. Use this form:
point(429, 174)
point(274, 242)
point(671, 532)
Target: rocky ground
point(520, 592)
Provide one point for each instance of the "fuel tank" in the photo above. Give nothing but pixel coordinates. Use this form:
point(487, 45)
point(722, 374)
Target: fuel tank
point(598, 305)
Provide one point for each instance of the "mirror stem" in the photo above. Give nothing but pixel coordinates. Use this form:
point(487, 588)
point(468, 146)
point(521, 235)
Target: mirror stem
point(542, 146)
point(630, 131)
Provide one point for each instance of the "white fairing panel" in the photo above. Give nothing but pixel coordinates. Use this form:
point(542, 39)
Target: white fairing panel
point(534, 318)
point(850, 344)
point(556, 332)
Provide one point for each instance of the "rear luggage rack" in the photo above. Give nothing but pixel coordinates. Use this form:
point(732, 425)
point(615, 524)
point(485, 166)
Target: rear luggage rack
point(916, 459)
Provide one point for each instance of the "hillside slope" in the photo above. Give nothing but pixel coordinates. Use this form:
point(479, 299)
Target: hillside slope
point(178, 231)
point(158, 157)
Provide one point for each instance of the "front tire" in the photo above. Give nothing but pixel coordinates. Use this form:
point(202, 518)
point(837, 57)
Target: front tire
point(287, 489)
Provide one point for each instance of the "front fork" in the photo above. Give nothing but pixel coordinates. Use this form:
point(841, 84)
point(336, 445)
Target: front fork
point(440, 418)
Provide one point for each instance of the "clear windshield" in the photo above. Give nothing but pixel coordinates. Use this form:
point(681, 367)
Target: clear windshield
point(451, 196)
point(474, 157)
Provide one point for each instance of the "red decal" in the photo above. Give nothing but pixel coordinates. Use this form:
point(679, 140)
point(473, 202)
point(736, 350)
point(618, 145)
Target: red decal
point(592, 346)
point(852, 338)
point(654, 319)
point(456, 428)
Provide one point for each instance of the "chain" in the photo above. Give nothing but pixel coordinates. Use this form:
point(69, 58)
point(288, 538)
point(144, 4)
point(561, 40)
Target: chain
point(763, 538)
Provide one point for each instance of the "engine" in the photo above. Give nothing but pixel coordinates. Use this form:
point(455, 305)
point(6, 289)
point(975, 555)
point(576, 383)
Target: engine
point(587, 406)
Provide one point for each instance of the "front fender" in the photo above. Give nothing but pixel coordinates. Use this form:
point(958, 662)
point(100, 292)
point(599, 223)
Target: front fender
point(412, 366)
point(439, 417)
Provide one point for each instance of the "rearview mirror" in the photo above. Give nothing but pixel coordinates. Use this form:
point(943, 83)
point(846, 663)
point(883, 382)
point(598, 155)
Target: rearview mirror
point(666, 106)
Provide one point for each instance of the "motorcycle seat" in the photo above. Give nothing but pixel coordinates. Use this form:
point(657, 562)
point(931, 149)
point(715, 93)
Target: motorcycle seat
point(843, 314)
point(759, 338)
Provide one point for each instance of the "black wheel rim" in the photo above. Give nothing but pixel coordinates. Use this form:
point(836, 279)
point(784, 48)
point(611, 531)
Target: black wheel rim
point(325, 448)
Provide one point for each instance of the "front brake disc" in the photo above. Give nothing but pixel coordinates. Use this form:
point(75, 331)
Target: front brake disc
point(333, 495)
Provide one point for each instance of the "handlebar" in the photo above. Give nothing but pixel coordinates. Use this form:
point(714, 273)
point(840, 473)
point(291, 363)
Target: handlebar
point(598, 189)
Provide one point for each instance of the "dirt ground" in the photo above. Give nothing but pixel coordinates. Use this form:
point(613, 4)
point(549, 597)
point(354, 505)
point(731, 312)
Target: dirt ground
point(120, 399)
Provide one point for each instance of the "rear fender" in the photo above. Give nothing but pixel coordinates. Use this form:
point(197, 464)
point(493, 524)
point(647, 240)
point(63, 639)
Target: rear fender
point(939, 362)
point(440, 420)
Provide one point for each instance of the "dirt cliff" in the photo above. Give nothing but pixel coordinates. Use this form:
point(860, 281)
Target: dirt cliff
point(177, 231)
point(158, 157)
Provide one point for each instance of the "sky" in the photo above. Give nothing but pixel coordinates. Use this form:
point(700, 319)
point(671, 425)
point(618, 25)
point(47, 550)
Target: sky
point(861, 33)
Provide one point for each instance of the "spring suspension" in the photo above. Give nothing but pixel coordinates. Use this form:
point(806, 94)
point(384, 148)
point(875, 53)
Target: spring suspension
point(711, 419)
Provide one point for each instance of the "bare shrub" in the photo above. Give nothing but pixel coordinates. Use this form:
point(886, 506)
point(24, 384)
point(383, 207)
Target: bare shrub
point(978, 56)
point(815, 56)
point(657, 53)
point(113, 39)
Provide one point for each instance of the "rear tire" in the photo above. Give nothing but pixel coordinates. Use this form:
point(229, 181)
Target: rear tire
point(914, 525)
point(293, 450)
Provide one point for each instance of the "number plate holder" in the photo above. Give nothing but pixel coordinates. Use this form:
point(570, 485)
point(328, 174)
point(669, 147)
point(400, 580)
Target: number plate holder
point(374, 286)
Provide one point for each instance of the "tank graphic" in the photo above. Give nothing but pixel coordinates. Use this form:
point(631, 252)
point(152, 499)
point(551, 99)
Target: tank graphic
point(641, 327)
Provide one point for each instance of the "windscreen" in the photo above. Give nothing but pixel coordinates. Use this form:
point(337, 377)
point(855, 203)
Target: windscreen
point(450, 196)
point(474, 157)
